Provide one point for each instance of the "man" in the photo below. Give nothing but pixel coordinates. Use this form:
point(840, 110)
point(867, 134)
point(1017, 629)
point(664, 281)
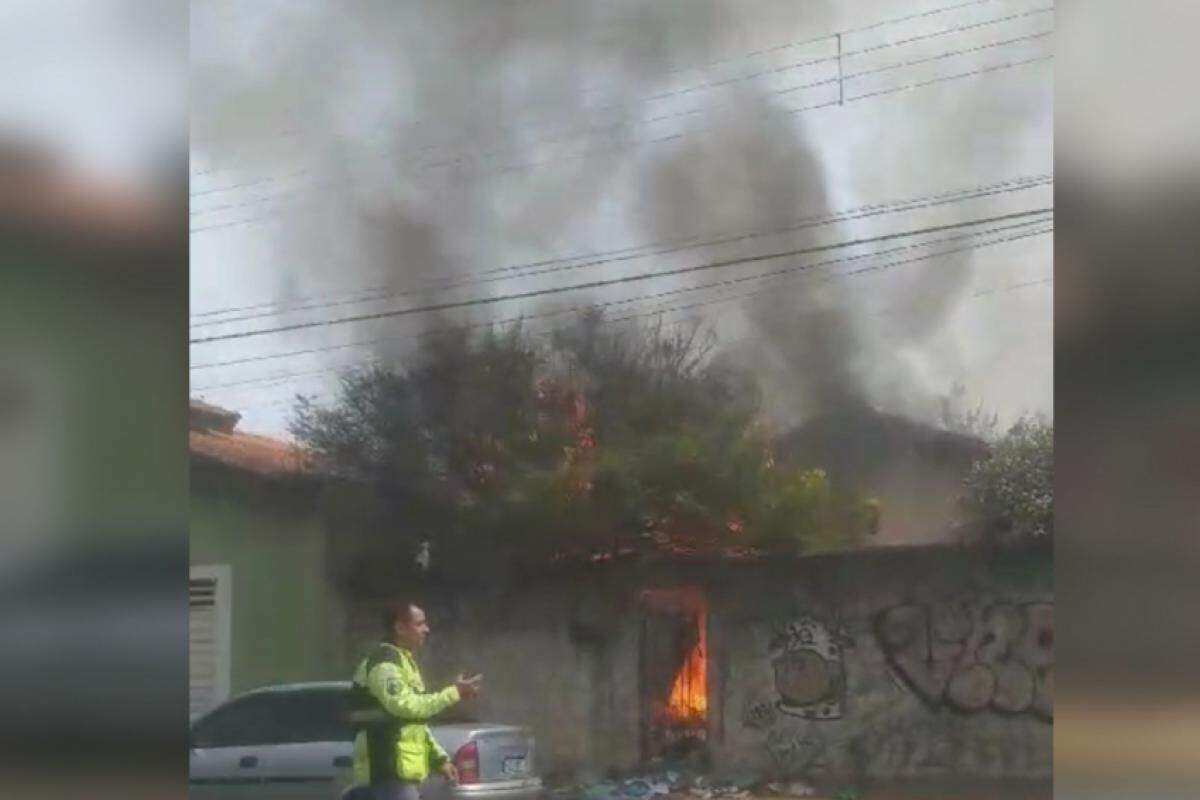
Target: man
point(394, 750)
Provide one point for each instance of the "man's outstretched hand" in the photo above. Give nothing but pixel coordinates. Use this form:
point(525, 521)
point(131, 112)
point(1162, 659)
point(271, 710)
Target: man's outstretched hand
point(468, 687)
point(450, 772)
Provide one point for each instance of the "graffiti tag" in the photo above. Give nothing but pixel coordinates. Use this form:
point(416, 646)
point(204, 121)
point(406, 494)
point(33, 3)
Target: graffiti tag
point(810, 675)
point(972, 658)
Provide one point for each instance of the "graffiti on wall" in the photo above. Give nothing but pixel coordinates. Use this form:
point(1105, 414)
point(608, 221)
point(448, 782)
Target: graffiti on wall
point(810, 674)
point(971, 657)
point(795, 750)
point(761, 711)
point(807, 683)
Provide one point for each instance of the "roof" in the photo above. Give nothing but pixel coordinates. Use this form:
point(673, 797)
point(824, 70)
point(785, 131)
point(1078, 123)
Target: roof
point(205, 416)
point(858, 441)
point(213, 436)
point(259, 454)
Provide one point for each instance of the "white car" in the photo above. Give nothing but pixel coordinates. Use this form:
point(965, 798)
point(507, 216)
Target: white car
point(294, 742)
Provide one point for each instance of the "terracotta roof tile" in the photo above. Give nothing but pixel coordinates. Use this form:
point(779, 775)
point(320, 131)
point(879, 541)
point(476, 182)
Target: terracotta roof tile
point(212, 436)
point(259, 454)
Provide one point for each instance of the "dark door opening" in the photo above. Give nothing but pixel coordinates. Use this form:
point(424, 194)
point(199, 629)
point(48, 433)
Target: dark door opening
point(674, 672)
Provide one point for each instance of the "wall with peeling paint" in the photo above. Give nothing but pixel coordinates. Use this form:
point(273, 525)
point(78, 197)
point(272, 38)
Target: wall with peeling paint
point(919, 662)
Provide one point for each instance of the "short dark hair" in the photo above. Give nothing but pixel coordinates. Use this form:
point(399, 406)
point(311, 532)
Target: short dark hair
point(396, 611)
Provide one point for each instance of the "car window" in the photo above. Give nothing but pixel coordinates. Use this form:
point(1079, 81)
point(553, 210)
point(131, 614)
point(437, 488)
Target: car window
point(291, 717)
point(243, 722)
point(277, 718)
point(318, 716)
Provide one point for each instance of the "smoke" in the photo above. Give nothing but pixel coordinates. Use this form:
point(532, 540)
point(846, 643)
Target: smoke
point(447, 138)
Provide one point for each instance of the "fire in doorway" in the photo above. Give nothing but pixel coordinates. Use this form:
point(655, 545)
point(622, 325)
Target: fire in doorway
point(674, 655)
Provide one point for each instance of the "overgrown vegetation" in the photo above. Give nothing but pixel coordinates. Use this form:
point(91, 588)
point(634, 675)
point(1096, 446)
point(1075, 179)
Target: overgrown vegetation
point(598, 439)
point(1010, 494)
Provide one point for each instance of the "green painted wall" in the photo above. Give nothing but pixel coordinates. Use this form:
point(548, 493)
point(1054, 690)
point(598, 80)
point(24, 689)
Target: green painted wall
point(287, 619)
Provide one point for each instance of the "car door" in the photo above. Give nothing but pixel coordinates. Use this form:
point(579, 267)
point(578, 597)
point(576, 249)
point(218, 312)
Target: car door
point(314, 756)
point(228, 756)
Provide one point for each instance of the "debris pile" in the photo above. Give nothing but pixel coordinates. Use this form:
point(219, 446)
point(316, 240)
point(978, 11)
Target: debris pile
point(680, 785)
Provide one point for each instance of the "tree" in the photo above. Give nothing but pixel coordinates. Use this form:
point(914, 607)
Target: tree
point(1010, 493)
point(601, 438)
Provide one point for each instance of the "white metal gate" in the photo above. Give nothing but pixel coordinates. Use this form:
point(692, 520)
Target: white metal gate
point(209, 599)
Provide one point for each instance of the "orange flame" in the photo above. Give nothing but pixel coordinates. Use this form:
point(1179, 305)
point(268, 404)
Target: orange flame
point(688, 701)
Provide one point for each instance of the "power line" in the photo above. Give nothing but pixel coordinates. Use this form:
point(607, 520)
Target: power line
point(821, 60)
point(917, 15)
point(571, 309)
point(851, 273)
point(823, 38)
point(890, 309)
point(879, 312)
point(770, 71)
point(724, 342)
point(712, 301)
point(637, 143)
point(591, 131)
point(945, 32)
point(720, 284)
point(943, 79)
point(290, 133)
point(927, 60)
point(1011, 287)
point(596, 284)
point(533, 269)
point(864, 270)
point(691, 89)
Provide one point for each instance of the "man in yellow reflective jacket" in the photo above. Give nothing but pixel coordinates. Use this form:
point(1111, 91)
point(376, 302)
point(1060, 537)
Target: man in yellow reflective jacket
point(394, 750)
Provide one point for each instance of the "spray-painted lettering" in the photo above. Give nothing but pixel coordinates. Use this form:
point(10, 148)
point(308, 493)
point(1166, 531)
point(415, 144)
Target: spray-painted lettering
point(971, 657)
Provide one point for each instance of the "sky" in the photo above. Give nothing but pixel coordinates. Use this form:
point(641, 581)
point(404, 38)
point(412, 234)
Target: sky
point(352, 158)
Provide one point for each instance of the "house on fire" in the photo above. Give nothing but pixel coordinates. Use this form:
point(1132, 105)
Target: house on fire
point(900, 660)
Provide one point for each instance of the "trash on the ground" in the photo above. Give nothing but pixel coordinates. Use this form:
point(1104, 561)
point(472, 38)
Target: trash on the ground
point(743, 780)
point(636, 788)
point(676, 784)
point(605, 790)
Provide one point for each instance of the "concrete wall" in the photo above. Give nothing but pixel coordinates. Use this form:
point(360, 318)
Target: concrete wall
point(924, 662)
point(552, 659)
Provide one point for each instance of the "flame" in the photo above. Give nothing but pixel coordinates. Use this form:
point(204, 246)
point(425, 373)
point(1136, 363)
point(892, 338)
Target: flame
point(688, 701)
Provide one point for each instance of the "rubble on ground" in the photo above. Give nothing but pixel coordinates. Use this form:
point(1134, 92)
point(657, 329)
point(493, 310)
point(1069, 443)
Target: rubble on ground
point(679, 785)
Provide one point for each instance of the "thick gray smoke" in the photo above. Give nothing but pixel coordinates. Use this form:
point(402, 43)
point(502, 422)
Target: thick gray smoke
point(418, 125)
